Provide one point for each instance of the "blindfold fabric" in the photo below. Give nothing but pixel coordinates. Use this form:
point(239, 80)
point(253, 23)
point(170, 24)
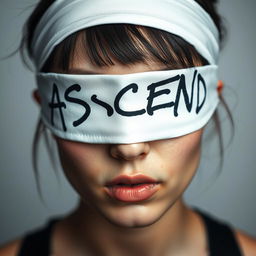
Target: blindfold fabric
point(135, 107)
point(128, 108)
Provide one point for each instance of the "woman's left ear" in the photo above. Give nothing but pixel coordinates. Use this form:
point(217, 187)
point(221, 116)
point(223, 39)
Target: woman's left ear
point(36, 96)
point(220, 86)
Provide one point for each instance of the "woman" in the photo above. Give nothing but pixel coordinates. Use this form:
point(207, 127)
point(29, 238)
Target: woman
point(130, 151)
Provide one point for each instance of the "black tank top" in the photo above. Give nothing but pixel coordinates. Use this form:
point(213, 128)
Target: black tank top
point(221, 239)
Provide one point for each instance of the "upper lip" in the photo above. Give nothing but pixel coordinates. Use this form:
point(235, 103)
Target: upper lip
point(135, 179)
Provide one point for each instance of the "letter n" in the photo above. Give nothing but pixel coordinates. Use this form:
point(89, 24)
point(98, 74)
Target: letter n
point(183, 89)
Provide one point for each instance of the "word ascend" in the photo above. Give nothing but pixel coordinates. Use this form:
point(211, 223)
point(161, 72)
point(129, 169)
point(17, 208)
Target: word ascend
point(154, 91)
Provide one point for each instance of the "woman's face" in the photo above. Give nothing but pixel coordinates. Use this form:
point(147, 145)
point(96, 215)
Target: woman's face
point(89, 167)
point(172, 162)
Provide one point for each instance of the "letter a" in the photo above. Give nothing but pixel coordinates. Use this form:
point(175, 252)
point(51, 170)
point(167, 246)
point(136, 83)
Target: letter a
point(58, 104)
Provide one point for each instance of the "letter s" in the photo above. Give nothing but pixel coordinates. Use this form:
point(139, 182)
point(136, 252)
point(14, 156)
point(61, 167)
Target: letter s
point(77, 87)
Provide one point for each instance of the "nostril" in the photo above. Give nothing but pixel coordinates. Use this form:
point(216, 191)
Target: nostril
point(142, 155)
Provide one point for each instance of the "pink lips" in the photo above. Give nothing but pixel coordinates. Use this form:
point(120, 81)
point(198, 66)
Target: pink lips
point(132, 188)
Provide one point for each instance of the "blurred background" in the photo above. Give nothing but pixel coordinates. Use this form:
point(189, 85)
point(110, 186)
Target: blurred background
point(227, 193)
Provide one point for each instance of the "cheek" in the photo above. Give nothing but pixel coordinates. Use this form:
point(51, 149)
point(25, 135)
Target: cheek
point(188, 159)
point(188, 151)
point(181, 158)
point(81, 163)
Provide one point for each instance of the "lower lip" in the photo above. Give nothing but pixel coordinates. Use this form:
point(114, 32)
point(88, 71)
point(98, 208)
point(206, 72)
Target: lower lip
point(135, 193)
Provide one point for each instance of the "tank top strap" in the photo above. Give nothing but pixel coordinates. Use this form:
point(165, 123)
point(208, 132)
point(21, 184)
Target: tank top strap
point(38, 242)
point(221, 238)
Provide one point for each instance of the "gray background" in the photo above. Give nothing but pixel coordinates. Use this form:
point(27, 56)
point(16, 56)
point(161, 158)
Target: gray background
point(230, 197)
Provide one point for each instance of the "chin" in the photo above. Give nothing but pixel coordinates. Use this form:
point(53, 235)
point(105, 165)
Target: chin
point(133, 216)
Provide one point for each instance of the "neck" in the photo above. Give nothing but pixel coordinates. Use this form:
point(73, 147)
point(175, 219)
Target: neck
point(169, 234)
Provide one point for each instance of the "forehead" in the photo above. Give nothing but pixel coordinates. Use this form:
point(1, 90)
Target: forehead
point(85, 66)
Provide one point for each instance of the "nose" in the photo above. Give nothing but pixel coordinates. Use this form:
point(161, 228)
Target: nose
point(129, 151)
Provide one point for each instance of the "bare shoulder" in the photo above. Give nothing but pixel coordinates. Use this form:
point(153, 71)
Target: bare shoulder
point(247, 243)
point(11, 248)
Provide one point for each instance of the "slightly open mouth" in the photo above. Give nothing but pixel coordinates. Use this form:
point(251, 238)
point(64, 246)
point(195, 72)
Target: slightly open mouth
point(128, 185)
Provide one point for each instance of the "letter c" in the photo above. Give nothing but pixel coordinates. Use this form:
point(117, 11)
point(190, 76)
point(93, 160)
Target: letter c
point(134, 88)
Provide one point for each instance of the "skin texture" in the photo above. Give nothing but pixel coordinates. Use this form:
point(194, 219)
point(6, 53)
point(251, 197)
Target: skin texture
point(89, 167)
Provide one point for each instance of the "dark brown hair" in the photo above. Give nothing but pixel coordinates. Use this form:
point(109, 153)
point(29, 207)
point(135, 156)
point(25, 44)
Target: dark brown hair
point(125, 44)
